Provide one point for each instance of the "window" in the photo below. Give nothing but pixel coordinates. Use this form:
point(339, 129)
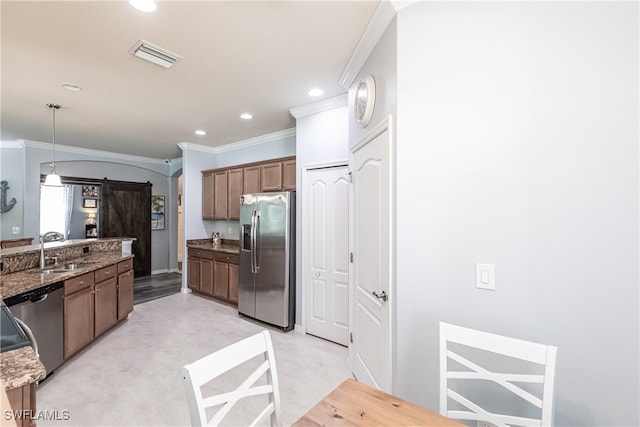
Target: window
point(53, 209)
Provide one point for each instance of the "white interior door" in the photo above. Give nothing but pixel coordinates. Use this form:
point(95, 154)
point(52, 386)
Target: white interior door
point(326, 219)
point(370, 351)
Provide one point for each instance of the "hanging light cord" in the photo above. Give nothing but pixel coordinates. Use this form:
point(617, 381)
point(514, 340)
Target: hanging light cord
point(54, 107)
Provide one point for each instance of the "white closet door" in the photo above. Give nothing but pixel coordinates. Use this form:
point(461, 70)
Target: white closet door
point(326, 219)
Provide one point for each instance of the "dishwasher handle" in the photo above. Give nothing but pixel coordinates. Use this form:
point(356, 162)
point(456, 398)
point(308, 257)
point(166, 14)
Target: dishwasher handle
point(27, 331)
point(40, 298)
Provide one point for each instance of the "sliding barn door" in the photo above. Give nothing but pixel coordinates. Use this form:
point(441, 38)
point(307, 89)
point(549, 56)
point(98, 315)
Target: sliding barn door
point(125, 211)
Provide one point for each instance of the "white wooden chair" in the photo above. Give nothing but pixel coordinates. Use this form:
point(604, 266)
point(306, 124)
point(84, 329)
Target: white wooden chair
point(202, 371)
point(524, 369)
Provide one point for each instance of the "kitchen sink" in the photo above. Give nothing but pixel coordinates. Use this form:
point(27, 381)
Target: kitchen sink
point(46, 271)
point(63, 268)
point(74, 266)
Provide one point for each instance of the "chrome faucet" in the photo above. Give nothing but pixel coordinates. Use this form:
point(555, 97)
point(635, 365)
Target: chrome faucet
point(49, 236)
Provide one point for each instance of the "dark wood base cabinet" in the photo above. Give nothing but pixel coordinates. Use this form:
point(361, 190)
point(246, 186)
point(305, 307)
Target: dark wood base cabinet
point(94, 303)
point(200, 271)
point(22, 401)
point(214, 274)
point(125, 288)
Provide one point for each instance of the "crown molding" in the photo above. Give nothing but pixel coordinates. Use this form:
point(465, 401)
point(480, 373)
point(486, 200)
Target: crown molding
point(245, 143)
point(262, 139)
point(319, 106)
point(382, 17)
point(90, 152)
point(190, 146)
point(12, 144)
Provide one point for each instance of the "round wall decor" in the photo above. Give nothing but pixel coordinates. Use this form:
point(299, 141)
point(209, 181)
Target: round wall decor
point(365, 100)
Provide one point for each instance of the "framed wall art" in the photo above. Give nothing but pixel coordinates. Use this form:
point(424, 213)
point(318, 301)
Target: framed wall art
point(89, 191)
point(157, 212)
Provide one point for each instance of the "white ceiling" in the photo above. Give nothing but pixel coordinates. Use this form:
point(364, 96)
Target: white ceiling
point(238, 56)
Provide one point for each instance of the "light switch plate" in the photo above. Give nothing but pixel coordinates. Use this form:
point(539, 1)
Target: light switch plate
point(486, 276)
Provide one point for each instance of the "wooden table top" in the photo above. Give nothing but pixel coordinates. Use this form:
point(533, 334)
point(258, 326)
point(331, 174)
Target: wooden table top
point(356, 404)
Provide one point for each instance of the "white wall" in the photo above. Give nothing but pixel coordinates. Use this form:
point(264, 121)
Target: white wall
point(12, 170)
point(518, 146)
point(321, 138)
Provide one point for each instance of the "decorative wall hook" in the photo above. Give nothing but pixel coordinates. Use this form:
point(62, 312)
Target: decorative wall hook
point(4, 207)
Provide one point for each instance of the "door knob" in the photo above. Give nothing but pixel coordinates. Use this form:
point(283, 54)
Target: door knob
point(382, 295)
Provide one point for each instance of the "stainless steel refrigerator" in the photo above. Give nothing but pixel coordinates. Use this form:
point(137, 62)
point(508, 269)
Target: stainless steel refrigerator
point(266, 289)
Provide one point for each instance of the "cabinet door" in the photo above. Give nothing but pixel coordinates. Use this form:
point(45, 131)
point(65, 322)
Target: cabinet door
point(220, 184)
point(234, 192)
point(271, 176)
point(233, 283)
point(251, 180)
point(206, 276)
point(193, 273)
point(289, 175)
point(221, 281)
point(78, 321)
point(106, 305)
point(207, 195)
point(22, 400)
point(125, 294)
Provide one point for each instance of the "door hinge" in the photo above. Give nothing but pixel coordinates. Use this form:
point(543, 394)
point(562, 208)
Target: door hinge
point(351, 337)
point(350, 176)
point(351, 257)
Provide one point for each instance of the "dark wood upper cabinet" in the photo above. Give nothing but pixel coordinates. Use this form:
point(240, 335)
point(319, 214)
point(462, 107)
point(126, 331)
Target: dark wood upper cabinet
point(222, 188)
point(207, 195)
point(289, 175)
point(234, 191)
point(251, 178)
point(220, 195)
point(271, 176)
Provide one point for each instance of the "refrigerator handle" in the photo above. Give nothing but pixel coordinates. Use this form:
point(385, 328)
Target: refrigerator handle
point(252, 238)
point(256, 230)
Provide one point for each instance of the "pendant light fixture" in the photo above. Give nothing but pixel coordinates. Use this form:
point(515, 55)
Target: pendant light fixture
point(53, 179)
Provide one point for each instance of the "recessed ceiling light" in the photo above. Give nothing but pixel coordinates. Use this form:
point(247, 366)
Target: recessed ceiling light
point(72, 87)
point(143, 5)
point(315, 92)
point(246, 116)
point(200, 132)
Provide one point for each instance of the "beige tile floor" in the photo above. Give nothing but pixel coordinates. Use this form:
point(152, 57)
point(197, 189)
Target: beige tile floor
point(129, 377)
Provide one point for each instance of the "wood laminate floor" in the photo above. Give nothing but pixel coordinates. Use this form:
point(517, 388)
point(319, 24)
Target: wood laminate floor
point(148, 288)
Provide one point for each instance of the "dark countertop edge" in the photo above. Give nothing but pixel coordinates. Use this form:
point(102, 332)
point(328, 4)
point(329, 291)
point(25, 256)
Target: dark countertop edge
point(40, 280)
point(227, 249)
point(20, 367)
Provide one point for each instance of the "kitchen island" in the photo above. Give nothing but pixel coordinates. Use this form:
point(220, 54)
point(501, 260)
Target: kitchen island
point(80, 263)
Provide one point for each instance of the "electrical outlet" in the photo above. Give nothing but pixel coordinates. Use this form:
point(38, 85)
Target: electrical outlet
point(485, 424)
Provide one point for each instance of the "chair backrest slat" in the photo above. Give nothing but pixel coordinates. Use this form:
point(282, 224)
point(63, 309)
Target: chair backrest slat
point(208, 368)
point(493, 346)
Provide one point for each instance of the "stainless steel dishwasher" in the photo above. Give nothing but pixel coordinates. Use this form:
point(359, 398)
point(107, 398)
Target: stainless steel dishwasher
point(42, 311)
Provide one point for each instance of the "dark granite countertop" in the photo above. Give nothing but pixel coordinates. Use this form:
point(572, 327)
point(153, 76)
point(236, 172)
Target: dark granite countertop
point(27, 280)
point(227, 246)
point(20, 367)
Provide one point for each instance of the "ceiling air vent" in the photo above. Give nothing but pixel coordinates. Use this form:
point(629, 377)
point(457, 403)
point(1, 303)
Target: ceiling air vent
point(149, 52)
